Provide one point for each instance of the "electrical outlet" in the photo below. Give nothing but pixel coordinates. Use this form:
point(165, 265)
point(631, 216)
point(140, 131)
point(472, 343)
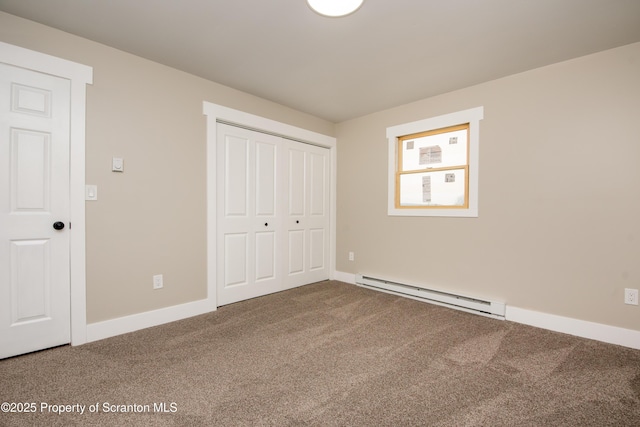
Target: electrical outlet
point(631, 296)
point(157, 281)
point(351, 256)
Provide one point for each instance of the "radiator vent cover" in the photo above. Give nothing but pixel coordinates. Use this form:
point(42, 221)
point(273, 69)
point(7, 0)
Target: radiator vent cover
point(459, 302)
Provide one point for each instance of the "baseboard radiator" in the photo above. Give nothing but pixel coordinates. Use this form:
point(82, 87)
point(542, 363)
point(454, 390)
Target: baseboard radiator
point(458, 302)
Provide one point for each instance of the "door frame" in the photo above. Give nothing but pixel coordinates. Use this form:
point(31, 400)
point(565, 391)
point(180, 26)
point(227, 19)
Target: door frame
point(79, 76)
point(218, 113)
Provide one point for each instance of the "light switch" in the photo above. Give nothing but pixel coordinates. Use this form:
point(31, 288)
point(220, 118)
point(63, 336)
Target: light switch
point(91, 192)
point(117, 164)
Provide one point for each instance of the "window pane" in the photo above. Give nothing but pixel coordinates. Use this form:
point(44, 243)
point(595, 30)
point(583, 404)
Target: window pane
point(435, 151)
point(441, 188)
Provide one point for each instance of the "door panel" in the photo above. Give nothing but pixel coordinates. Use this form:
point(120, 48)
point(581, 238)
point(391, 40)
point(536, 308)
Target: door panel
point(296, 252)
point(265, 256)
point(236, 176)
point(307, 222)
point(236, 259)
point(247, 199)
point(317, 249)
point(30, 162)
point(296, 209)
point(318, 215)
point(297, 181)
point(30, 282)
point(265, 179)
point(30, 100)
point(318, 184)
point(34, 193)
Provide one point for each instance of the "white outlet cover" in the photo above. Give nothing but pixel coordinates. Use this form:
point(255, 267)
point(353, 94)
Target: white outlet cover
point(631, 296)
point(157, 281)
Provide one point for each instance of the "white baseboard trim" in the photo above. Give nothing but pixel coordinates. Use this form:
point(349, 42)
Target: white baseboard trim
point(581, 328)
point(344, 277)
point(123, 325)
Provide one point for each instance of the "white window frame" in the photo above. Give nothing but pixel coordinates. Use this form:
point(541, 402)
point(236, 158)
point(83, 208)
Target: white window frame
point(472, 117)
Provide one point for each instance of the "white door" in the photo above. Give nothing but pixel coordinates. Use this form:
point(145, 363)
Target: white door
point(307, 214)
point(273, 215)
point(34, 194)
point(249, 227)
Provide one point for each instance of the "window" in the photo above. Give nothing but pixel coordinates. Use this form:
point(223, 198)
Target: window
point(433, 166)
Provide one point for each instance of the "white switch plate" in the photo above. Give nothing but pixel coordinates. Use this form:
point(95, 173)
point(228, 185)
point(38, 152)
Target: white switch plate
point(352, 256)
point(117, 164)
point(157, 281)
point(91, 192)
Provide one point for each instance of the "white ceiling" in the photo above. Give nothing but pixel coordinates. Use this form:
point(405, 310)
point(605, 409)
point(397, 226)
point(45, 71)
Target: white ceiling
point(388, 53)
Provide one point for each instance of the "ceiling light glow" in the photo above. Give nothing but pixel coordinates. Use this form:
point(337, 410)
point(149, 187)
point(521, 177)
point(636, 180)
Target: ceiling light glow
point(335, 8)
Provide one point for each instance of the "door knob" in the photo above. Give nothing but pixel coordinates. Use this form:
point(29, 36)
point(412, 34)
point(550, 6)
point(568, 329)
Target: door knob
point(58, 225)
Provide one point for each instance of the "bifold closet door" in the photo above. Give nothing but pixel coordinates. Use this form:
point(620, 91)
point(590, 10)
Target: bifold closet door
point(249, 230)
point(273, 214)
point(307, 214)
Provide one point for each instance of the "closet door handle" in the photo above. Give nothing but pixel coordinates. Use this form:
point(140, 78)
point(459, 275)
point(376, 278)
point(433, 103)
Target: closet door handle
point(266, 224)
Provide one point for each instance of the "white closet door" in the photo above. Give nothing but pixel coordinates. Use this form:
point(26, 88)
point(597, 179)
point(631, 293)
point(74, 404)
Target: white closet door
point(273, 214)
point(34, 194)
point(306, 214)
point(249, 242)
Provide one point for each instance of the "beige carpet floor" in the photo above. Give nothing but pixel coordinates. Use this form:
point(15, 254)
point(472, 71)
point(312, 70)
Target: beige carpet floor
point(329, 354)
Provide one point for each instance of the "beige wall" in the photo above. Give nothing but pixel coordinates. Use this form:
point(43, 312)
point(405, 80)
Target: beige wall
point(152, 218)
point(559, 223)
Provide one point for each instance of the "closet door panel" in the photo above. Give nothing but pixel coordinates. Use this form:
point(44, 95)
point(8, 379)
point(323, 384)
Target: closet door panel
point(248, 231)
point(307, 221)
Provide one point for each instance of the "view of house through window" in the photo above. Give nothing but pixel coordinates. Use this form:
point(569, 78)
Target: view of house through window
point(433, 165)
point(433, 169)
